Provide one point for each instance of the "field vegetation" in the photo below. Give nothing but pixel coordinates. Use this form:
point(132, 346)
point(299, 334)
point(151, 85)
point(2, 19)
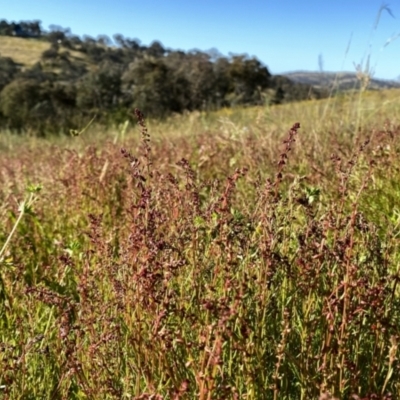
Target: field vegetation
point(247, 253)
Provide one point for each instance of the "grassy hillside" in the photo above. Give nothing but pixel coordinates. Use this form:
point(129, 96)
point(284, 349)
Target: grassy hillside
point(222, 255)
point(26, 52)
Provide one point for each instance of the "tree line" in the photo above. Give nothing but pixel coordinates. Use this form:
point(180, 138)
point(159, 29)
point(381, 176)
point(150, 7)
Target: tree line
point(78, 77)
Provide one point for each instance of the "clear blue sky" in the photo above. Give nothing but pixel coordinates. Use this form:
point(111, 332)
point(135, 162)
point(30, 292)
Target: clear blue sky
point(286, 35)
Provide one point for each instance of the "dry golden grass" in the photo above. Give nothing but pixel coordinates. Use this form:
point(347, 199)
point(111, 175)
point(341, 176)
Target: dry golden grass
point(21, 50)
point(28, 51)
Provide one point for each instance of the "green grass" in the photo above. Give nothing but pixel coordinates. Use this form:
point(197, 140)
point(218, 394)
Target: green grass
point(214, 262)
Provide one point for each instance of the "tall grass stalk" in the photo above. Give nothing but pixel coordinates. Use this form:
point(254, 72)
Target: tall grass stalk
point(207, 265)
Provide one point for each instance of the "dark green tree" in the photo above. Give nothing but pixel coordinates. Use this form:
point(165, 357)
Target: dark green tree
point(154, 88)
point(8, 69)
point(248, 78)
point(100, 90)
point(20, 101)
point(197, 69)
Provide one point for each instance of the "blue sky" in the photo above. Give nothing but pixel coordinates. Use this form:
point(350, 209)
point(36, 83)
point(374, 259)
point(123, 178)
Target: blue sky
point(286, 35)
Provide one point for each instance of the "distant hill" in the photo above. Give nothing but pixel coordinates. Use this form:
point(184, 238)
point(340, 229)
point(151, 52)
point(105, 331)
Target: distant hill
point(337, 80)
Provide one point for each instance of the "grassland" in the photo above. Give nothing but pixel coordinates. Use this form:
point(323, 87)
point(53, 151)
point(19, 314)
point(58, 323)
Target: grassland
point(28, 52)
point(23, 51)
point(232, 256)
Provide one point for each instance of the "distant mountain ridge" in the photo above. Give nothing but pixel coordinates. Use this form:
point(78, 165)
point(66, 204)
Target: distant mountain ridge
point(338, 80)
